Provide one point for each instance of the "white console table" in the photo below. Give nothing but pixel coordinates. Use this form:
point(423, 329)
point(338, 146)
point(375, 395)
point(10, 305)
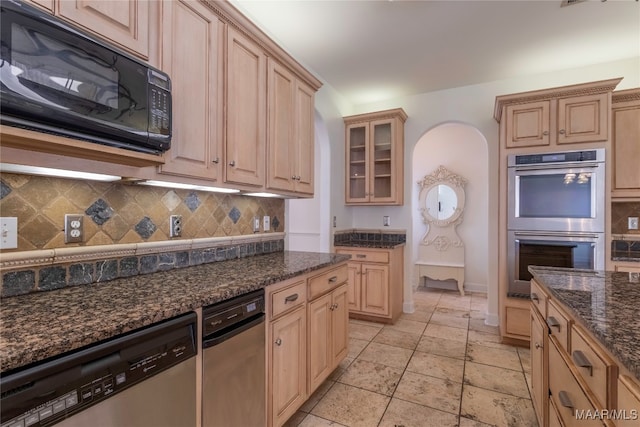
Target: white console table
point(442, 271)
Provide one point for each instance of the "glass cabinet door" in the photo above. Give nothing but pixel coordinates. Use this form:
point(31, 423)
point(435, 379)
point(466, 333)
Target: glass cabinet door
point(357, 162)
point(381, 153)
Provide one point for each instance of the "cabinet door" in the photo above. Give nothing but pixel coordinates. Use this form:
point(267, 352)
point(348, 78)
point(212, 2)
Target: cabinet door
point(539, 385)
point(626, 151)
point(382, 161)
point(339, 325)
point(583, 119)
point(528, 124)
point(46, 4)
point(192, 35)
point(375, 289)
point(281, 142)
point(246, 111)
point(305, 138)
point(320, 352)
point(125, 23)
point(357, 163)
point(288, 365)
point(354, 276)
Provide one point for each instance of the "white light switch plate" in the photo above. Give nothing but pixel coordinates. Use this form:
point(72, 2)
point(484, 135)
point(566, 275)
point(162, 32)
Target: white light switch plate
point(8, 232)
point(266, 223)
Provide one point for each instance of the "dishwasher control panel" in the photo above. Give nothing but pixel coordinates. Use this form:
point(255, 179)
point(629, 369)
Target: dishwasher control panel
point(46, 393)
point(219, 317)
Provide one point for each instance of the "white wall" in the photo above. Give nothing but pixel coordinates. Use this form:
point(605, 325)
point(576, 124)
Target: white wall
point(462, 150)
point(472, 105)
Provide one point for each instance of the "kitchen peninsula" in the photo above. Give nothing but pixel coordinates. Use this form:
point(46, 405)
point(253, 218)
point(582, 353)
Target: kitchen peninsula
point(585, 345)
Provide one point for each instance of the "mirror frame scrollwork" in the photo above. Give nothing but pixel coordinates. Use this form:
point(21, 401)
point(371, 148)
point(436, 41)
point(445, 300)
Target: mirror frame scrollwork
point(442, 176)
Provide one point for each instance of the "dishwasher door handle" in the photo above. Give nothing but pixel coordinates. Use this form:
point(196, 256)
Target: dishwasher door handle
point(211, 340)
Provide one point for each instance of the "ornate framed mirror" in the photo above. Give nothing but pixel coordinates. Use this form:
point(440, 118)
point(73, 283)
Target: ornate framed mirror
point(442, 197)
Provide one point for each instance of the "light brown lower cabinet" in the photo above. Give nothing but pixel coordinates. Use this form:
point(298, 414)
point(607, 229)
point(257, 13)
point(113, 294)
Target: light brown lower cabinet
point(375, 282)
point(307, 337)
point(539, 374)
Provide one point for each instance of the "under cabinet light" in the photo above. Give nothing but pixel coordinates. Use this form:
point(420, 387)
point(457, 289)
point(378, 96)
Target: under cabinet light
point(263, 195)
point(59, 173)
point(179, 185)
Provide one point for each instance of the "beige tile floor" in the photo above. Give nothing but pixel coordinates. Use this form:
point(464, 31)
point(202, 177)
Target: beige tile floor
point(440, 366)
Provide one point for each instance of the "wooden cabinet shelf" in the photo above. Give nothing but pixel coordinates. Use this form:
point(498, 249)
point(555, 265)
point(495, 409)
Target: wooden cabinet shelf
point(374, 158)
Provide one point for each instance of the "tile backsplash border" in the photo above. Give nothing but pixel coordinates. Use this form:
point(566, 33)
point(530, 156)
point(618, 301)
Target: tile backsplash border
point(43, 270)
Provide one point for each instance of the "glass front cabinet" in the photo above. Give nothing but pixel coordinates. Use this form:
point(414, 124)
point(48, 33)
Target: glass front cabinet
point(374, 158)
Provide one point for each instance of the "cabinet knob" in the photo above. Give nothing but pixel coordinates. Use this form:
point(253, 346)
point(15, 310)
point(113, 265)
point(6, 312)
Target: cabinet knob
point(216, 160)
point(538, 346)
point(278, 341)
point(298, 178)
point(232, 163)
point(545, 133)
point(561, 131)
point(293, 177)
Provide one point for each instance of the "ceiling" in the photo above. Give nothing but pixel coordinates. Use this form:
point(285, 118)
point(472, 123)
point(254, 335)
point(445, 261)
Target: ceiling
point(374, 50)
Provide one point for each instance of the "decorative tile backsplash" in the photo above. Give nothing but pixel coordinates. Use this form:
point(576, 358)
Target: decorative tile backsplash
point(620, 212)
point(121, 213)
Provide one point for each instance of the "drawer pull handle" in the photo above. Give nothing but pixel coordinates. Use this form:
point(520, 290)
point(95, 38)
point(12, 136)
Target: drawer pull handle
point(333, 279)
point(291, 298)
point(534, 297)
point(565, 400)
point(278, 341)
point(361, 256)
point(553, 322)
point(582, 361)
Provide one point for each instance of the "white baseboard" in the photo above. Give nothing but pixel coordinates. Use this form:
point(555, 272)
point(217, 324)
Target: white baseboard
point(408, 307)
point(492, 319)
point(475, 287)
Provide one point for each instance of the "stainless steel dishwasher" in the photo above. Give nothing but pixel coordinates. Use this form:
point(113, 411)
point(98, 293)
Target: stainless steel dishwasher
point(233, 342)
point(143, 378)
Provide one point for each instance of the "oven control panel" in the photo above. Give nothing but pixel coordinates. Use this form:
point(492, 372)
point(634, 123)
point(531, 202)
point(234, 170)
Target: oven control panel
point(555, 157)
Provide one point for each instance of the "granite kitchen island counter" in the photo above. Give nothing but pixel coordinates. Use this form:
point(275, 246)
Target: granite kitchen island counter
point(605, 303)
point(44, 324)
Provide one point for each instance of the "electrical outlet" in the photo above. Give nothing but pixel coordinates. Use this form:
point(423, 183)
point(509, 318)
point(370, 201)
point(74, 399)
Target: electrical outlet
point(73, 228)
point(633, 222)
point(8, 232)
point(256, 224)
point(335, 221)
point(266, 223)
point(175, 226)
point(386, 221)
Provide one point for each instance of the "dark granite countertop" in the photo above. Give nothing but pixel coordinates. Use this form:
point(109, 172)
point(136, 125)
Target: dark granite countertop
point(606, 303)
point(44, 324)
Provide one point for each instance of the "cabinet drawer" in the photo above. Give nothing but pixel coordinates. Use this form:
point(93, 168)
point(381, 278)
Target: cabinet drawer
point(566, 394)
point(628, 401)
point(596, 369)
point(539, 298)
point(288, 298)
point(325, 282)
point(559, 325)
point(366, 256)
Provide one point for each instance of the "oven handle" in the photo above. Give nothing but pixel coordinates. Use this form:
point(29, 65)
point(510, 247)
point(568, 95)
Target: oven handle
point(559, 166)
point(552, 234)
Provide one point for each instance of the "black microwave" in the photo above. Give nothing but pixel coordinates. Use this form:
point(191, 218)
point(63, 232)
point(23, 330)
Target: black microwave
point(59, 80)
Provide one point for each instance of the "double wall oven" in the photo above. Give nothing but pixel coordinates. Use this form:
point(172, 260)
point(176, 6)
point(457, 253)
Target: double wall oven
point(556, 208)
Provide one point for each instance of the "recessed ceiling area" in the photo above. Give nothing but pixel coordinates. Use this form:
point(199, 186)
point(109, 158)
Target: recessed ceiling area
point(369, 50)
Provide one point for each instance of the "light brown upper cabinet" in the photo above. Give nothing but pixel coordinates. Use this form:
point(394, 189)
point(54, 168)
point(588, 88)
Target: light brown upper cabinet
point(625, 143)
point(125, 23)
point(375, 158)
point(246, 75)
point(196, 88)
point(555, 117)
point(290, 139)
